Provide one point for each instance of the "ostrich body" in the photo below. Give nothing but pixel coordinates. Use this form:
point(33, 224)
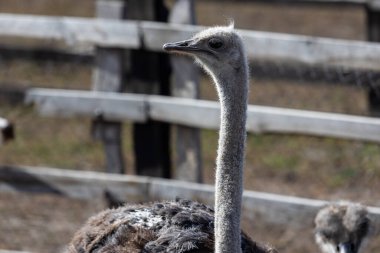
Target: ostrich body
point(341, 227)
point(182, 225)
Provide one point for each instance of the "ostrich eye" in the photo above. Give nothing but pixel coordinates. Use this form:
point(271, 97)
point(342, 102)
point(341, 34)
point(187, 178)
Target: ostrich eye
point(215, 43)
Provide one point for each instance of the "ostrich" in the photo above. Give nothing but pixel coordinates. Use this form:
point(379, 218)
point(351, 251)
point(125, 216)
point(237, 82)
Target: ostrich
point(183, 225)
point(341, 227)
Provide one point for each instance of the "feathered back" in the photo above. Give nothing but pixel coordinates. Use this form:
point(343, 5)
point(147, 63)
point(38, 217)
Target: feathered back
point(181, 226)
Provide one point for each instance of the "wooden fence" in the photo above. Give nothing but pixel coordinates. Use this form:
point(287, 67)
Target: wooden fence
point(142, 108)
point(262, 46)
point(112, 37)
point(273, 209)
point(118, 41)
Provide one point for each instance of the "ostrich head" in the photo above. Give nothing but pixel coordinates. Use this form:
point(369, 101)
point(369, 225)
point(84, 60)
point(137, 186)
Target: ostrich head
point(218, 50)
point(341, 227)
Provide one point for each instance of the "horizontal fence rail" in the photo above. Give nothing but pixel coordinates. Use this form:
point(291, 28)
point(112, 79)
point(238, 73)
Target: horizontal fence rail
point(152, 35)
point(13, 251)
point(71, 31)
point(357, 2)
point(270, 208)
point(266, 46)
point(107, 105)
point(372, 4)
point(199, 113)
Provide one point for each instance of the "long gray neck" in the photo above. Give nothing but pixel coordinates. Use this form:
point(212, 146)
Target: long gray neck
point(233, 92)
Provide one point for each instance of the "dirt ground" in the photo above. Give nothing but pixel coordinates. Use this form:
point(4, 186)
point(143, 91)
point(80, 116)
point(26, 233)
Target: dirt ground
point(295, 165)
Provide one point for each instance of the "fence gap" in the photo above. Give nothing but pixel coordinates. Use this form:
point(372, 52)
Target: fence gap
point(108, 76)
point(185, 83)
point(148, 73)
point(373, 34)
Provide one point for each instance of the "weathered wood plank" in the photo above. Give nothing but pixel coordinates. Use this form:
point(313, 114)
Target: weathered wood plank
point(71, 31)
point(201, 113)
point(108, 76)
point(69, 103)
point(12, 251)
point(185, 83)
point(281, 120)
point(73, 184)
point(340, 2)
point(271, 208)
point(267, 46)
point(126, 34)
point(374, 4)
point(184, 111)
point(262, 119)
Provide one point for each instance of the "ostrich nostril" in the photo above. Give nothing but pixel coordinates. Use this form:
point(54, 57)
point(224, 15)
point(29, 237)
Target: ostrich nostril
point(184, 44)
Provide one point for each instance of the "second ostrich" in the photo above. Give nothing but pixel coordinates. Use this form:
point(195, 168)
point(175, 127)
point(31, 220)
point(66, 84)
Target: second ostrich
point(188, 226)
point(342, 227)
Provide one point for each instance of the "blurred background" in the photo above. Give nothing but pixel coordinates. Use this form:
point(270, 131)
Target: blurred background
point(298, 165)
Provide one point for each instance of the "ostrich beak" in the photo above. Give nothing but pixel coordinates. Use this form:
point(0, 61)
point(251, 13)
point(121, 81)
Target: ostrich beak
point(184, 46)
point(345, 248)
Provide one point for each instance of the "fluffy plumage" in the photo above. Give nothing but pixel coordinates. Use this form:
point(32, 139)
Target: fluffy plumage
point(177, 226)
point(342, 227)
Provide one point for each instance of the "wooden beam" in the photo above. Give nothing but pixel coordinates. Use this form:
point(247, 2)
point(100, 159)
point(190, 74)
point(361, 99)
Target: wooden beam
point(183, 111)
point(261, 119)
point(185, 83)
point(267, 46)
point(336, 2)
point(282, 120)
point(108, 76)
point(12, 251)
point(264, 46)
point(76, 103)
point(271, 208)
point(73, 184)
point(72, 31)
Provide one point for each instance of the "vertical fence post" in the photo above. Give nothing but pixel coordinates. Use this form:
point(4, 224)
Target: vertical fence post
point(185, 83)
point(149, 73)
point(373, 34)
point(108, 76)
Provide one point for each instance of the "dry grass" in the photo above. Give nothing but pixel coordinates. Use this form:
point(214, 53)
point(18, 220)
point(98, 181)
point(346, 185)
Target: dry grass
point(83, 8)
point(41, 223)
point(296, 165)
point(317, 20)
